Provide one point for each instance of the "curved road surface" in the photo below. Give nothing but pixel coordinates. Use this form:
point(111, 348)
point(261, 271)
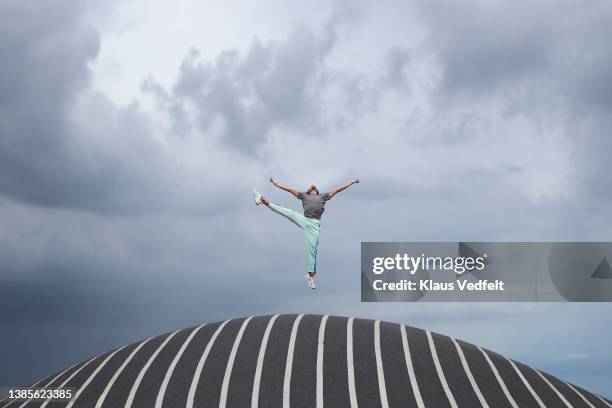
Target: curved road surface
point(308, 361)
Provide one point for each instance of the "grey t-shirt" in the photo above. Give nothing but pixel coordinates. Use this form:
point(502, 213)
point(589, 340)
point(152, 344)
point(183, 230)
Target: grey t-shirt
point(314, 204)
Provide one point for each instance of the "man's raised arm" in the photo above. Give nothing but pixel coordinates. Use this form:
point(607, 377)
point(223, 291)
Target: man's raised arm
point(290, 190)
point(344, 187)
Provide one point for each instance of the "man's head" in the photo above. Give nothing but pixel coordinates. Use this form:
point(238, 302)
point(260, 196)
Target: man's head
point(312, 189)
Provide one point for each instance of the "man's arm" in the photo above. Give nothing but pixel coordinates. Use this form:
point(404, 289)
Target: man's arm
point(290, 190)
point(344, 187)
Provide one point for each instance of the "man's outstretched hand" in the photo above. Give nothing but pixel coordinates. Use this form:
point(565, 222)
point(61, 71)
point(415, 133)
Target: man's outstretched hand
point(356, 181)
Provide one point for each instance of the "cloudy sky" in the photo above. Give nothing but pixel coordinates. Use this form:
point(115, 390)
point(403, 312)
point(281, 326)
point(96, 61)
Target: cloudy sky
point(131, 134)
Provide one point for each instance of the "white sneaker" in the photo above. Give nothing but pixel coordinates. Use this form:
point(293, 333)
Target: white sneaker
point(310, 281)
point(257, 196)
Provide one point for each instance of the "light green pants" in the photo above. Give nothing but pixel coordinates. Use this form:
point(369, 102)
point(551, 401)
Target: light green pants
point(311, 233)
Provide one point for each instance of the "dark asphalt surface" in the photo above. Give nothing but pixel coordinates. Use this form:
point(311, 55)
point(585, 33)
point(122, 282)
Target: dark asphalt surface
point(303, 378)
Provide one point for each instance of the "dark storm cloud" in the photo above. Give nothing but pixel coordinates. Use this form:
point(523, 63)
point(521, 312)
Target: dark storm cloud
point(44, 51)
point(547, 49)
point(46, 157)
point(245, 97)
point(64, 145)
point(481, 47)
point(549, 61)
point(239, 99)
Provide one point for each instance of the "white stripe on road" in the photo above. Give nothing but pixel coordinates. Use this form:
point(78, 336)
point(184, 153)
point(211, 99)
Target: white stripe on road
point(380, 372)
point(92, 376)
point(526, 383)
point(320, 351)
point(579, 394)
point(44, 404)
point(230, 364)
point(45, 387)
point(260, 358)
point(8, 394)
point(349, 363)
point(561, 397)
point(33, 385)
point(162, 389)
point(196, 377)
point(289, 362)
point(411, 374)
point(501, 382)
point(434, 355)
point(603, 400)
point(117, 373)
point(144, 369)
point(470, 376)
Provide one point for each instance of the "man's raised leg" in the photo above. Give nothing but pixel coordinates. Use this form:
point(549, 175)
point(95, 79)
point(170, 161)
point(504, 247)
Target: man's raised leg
point(294, 217)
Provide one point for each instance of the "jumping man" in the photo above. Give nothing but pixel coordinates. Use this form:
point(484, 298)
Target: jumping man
point(314, 205)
